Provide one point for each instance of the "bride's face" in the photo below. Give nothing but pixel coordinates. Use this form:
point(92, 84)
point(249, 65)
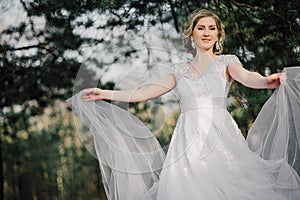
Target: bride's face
point(205, 33)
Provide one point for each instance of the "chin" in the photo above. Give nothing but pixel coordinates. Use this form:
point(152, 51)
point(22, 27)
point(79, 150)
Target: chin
point(205, 48)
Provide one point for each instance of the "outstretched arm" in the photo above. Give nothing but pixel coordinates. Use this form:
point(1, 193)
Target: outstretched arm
point(253, 79)
point(150, 91)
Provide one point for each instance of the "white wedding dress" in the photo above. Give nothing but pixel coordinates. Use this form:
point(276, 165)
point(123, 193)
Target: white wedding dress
point(208, 157)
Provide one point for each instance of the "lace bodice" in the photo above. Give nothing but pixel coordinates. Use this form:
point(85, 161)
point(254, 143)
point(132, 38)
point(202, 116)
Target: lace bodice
point(210, 88)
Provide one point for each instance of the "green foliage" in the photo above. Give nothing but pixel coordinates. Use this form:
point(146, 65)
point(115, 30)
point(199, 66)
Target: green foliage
point(49, 162)
point(246, 105)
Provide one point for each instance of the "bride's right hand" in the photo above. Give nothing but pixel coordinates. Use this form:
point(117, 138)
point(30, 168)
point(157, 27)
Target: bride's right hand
point(92, 94)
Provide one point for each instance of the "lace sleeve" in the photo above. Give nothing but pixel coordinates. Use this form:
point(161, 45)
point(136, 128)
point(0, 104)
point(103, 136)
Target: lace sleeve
point(173, 70)
point(232, 59)
point(180, 70)
point(227, 60)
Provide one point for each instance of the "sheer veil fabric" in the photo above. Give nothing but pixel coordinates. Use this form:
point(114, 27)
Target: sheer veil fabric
point(129, 155)
point(275, 134)
point(215, 161)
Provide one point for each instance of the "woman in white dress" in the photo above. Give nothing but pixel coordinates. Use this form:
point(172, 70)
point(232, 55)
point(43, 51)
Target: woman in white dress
point(208, 158)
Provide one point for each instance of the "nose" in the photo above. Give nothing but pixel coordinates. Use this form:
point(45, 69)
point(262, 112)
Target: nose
point(206, 32)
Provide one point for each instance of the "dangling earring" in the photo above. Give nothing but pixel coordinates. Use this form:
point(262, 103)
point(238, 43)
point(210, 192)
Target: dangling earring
point(193, 43)
point(217, 45)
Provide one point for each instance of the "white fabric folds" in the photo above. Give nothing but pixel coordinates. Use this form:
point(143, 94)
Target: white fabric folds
point(129, 155)
point(134, 166)
point(275, 133)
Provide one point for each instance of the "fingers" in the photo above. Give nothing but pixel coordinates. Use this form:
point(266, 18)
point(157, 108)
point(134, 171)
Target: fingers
point(90, 94)
point(90, 91)
point(277, 75)
point(273, 81)
point(88, 98)
point(274, 77)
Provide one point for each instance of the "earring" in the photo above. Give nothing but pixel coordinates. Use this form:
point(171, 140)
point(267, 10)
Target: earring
point(193, 43)
point(217, 45)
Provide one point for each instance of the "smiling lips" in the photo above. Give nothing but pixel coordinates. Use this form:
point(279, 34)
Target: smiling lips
point(206, 40)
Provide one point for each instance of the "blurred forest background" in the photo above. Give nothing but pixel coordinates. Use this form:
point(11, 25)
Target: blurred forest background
point(44, 44)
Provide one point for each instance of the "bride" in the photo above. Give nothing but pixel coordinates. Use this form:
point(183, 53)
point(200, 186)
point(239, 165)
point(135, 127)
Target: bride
point(208, 158)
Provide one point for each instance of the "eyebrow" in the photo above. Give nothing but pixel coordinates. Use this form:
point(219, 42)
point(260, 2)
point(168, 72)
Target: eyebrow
point(204, 25)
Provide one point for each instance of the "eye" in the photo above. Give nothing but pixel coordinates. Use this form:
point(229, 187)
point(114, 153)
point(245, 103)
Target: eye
point(213, 28)
point(200, 28)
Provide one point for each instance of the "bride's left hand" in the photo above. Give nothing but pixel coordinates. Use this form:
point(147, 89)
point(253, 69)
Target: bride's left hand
point(273, 81)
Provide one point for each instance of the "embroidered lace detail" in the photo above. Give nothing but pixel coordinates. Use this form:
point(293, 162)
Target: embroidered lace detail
point(185, 69)
point(231, 59)
point(231, 162)
point(180, 70)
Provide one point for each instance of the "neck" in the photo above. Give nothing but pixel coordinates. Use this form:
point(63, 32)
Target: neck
point(204, 56)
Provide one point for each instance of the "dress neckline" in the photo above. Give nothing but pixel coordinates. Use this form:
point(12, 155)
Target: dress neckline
point(203, 72)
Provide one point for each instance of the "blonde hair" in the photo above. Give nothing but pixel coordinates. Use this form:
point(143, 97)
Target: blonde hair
point(193, 20)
